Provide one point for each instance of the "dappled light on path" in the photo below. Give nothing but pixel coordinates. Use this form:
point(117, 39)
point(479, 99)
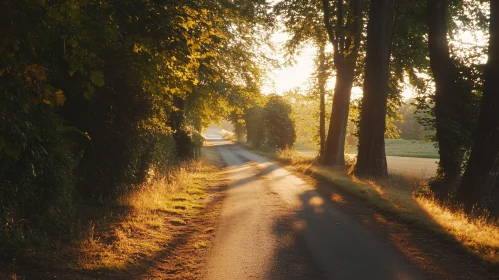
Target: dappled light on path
point(398, 196)
point(275, 225)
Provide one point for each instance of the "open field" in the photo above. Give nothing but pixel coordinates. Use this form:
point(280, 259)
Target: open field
point(393, 147)
point(406, 148)
point(425, 167)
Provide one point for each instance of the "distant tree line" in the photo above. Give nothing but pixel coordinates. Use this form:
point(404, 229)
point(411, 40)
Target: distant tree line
point(409, 127)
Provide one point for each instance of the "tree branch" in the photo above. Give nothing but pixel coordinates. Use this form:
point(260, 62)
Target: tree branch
point(328, 24)
point(340, 35)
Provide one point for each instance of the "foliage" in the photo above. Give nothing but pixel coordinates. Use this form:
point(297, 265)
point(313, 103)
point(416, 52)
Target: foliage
point(98, 96)
point(306, 110)
point(409, 128)
point(279, 127)
point(253, 118)
point(303, 21)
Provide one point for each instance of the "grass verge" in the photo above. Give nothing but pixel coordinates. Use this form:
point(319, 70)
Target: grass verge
point(398, 197)
point(162, 229)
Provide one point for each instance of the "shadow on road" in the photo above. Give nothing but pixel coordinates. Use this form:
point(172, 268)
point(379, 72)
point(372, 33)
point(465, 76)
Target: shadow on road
point(434, 256)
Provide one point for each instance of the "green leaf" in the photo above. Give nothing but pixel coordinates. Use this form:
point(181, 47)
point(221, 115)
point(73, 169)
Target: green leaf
point(97, 78)
point(2, 142)
point(89, 92)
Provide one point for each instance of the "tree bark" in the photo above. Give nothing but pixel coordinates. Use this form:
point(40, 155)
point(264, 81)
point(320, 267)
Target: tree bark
point(239, 131)
point(238, 126)
point(322, 79)
point(177, 121)
point(335, 143)
point(479, 185)
point(447, 102)
point(371, 159)
point(249, 130)
point(346, 40)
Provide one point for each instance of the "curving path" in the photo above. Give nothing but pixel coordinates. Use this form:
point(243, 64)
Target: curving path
point(276, 226)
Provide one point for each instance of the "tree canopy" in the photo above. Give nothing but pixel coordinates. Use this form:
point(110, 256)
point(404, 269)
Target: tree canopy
point(98, 96)
point(91, 90)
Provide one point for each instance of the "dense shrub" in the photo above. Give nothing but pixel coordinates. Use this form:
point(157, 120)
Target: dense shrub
point(95, 96)
point(253, 118)
point(271, 126)
point(278, 125)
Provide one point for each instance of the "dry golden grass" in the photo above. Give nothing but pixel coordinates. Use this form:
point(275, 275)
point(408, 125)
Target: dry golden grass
point(164, 225)
point(478, 234)
point(154, 215)
point(397, 195)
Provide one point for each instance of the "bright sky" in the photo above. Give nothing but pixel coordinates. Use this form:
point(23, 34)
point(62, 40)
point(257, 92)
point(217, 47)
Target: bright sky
point(298, 75)
point(291, 77)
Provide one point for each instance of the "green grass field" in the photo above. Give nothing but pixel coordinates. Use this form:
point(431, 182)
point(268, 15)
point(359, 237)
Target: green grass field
point(406, 148)
point(394, 147)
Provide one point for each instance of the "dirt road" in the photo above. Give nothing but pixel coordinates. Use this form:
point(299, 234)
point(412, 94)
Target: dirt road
point(275, 226)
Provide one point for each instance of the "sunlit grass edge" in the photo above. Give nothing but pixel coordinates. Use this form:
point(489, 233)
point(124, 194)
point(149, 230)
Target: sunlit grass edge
point(398, 197)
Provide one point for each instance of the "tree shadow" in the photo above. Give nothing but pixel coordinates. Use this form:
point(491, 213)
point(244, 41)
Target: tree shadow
point(350, 249)
point(339, 247)
point(417, 245)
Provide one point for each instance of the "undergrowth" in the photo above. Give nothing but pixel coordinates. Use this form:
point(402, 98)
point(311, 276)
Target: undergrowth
point(122, 235)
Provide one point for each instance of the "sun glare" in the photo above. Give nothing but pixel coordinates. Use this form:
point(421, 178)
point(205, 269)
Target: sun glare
point(297, 76)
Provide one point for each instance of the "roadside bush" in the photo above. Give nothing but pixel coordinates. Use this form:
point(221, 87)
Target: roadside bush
point(278, 125)
point(103, 95)
point(253, 118)
point(36, 169)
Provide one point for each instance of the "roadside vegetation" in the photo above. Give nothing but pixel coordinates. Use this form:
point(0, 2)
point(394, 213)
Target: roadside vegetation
point(407, 199)
point(167, 224)
point(102, 104)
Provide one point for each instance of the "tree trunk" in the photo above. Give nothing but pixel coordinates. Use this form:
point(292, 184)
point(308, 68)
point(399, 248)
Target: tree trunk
point(335, 143)
point(479, 185)
point(371, 159)
point(249, 131)
point(346, 40)
point(177, 122)
point(321, 79)
point(239, 131)
point(238, 126)
point(448, 96)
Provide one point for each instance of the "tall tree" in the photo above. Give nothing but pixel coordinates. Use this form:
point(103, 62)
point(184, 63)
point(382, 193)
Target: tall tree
point(449, 97)
point(480, 181)
point(322, 74)
point(344, 27)
point(371, 159)
point(99, 93)
point(302, 20)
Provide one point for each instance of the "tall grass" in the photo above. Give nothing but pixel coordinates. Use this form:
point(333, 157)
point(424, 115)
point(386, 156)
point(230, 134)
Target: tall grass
point(132, 230)
point(153, 213)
